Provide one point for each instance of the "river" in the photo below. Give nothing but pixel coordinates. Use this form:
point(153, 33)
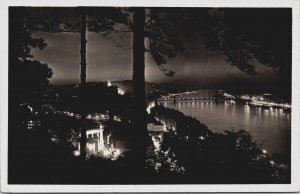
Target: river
point(272, 128)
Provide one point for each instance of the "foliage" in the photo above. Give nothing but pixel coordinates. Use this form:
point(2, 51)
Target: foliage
point(107, 22)
point(234, 33)
point(28, 78)
point(163, 42)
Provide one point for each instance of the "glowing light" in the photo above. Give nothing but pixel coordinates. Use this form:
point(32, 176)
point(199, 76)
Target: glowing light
point(31, 109)
point(151, 105)
point(156, 143)
point(117, 152)
point(108, 137)
point(106, 153)
point(91, 147)
point(120, 91)
point(264, 151)
point(108, 83)
point(76, 153)
point(232, 101)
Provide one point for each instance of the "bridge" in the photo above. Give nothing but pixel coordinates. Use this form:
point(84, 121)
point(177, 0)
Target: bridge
point(194, 96)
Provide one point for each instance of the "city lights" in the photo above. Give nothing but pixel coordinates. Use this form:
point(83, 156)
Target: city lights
point(264, 151)
point(120, 91)
point(151, 105)
point(76, 153)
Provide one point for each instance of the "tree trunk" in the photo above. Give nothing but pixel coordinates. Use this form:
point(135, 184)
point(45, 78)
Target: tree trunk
point(82, 86)
point(140, 134)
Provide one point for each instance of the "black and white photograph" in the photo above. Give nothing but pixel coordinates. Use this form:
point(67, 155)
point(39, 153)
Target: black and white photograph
point(151, 95)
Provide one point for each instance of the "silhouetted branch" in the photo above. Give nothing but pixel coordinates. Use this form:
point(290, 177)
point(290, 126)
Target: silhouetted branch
point(115, 42)
point(52, 26)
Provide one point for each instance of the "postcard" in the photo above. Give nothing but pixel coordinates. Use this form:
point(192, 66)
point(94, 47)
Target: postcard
point(131, 96)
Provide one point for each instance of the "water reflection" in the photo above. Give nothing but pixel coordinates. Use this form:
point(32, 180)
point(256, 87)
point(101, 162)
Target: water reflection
point(271, 127)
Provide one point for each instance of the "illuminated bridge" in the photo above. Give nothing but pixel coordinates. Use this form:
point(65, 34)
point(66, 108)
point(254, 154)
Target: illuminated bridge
point(195, 95)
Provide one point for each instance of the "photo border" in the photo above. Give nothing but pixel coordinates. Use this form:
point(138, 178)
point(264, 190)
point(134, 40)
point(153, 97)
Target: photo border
point(295, 115)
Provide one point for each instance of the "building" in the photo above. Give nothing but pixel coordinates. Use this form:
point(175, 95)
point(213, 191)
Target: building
point(155, 128)
point(103, 143)
point(94, 140)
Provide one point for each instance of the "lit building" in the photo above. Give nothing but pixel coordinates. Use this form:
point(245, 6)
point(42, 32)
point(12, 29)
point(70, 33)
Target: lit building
point(120, 91)
point(95, 140)
point(100, 144)
point(33, 124)
point(156, 131)
point(155, 128)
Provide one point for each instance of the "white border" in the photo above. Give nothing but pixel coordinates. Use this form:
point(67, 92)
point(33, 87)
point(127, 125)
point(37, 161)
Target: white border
point(294, 186)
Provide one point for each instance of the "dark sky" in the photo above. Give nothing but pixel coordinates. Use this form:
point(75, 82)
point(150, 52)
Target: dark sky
point(196, 66)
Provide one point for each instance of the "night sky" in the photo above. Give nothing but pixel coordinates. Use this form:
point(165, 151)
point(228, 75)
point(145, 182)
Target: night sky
point(196, 66)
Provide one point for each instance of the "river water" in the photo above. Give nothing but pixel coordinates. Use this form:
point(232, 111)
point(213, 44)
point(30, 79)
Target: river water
point(272, 128)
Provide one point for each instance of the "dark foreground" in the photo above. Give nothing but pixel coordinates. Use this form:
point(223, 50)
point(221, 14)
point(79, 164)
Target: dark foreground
point(191, 154)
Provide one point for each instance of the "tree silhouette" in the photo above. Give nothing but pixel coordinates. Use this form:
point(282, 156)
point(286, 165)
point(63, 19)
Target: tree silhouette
point(237, 35)
point(99, 20)
point(147, 26)
point(138, 78)
point(28, 78)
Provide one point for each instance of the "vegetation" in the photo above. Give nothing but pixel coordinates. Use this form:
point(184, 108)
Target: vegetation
point(232, 157)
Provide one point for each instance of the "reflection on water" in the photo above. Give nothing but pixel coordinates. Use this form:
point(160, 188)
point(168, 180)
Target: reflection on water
point(271, 127)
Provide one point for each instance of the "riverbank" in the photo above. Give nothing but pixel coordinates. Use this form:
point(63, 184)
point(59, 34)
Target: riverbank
point(219, 158)
point(270, 128)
